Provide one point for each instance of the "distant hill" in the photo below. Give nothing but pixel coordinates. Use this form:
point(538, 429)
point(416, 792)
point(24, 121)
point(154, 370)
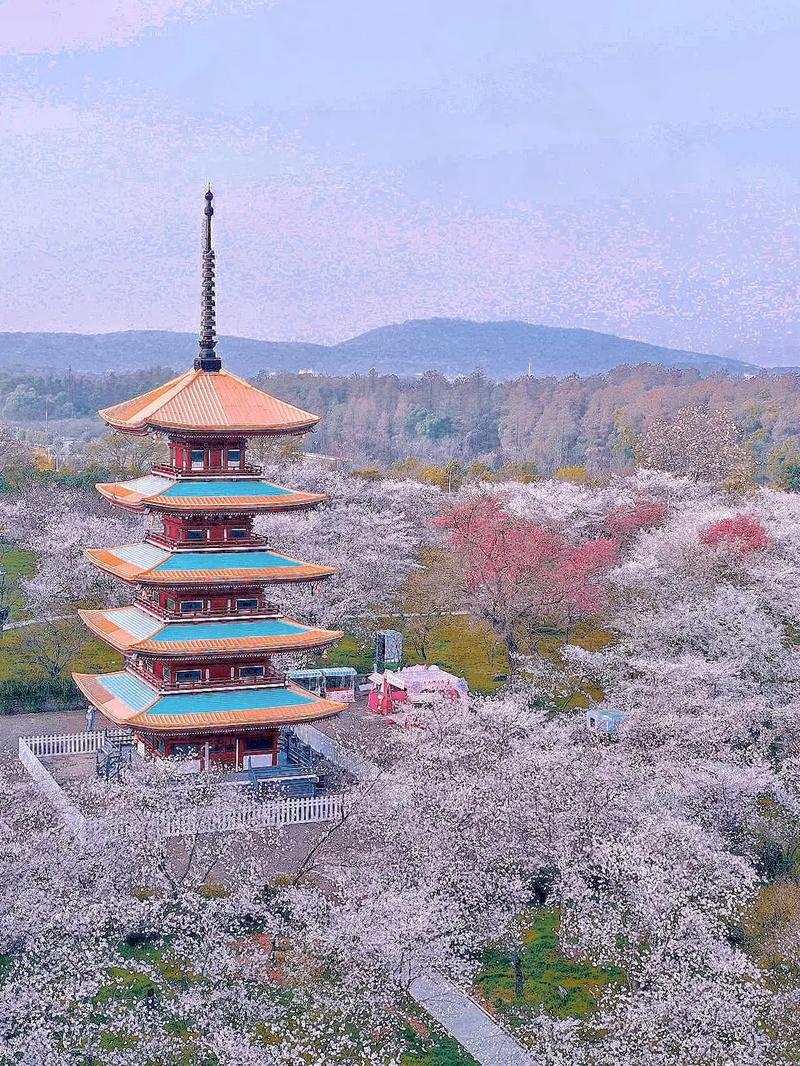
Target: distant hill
point(452, 346)
point(504, 349)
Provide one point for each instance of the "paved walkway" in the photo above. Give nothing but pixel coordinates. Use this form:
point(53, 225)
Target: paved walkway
point(14, 726)
point(471, 1026)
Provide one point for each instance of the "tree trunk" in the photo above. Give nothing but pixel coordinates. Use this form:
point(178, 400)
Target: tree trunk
point(512, 649)
point(516, 963)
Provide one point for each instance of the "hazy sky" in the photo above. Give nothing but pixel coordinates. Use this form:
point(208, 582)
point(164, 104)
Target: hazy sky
point(625, 166)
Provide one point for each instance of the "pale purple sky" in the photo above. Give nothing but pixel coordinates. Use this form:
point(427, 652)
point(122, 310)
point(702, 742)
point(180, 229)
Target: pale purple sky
point(621, 166)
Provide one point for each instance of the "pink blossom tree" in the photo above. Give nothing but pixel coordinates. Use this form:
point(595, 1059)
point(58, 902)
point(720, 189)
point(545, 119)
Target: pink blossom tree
point(519, 576)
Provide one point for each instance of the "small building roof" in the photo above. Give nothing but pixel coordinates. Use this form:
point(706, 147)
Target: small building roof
point(190, 495)
point(127, 700)
point(208, 401)
point(150, 565)
point(133, 629)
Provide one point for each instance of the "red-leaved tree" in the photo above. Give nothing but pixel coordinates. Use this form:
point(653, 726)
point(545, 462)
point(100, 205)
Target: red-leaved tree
point(518, 576)
point(742, 533)
point(643, 514)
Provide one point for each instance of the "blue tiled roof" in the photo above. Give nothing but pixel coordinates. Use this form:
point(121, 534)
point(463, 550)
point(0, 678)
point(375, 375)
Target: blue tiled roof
point(144, 555)
point(220, 702)
point(226, 488)
point(258, 627)
point(130, 689)
point(226, 560)
point(148, 485)
point(135, 621)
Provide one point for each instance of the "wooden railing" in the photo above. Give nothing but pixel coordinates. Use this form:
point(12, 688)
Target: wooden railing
point(238, 817)
point(269, 680)
point(162, 541)
point(216, 471)
point(267, 610)
point(75, 743)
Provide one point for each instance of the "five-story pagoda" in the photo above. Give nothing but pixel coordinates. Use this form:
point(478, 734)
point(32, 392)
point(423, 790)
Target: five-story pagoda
point(198, 641)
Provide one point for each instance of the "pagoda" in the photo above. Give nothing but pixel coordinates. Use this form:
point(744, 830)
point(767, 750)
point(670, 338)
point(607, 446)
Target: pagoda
point(199, 679)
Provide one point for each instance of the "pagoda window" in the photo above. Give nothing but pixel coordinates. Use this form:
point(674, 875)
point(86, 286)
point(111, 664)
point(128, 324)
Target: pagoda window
point(255, 743)
point(198, 459)
point(238, 534)
point(190, 606)
point(234, 458)
point(167, 673)
point(251, 671)
point(171, 604)
point(188, 676)
point(247, 605)
point(195, 534)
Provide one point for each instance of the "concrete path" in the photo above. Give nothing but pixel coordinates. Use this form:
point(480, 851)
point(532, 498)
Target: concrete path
point(14, 726)
point(476, 1031)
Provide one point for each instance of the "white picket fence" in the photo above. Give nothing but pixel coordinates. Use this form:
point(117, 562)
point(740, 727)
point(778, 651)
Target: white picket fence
point(297, 810)
point(239, 817)
point(73, 743)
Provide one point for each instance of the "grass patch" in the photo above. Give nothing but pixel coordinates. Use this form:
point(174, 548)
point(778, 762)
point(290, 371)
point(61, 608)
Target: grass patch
point(349, 651)
point(91, 655)
point(560, 986)
point(26, 686)
point(576, 695)
point(468, 649)
point(434, 1050)
point(15, 563)
point(462, 646)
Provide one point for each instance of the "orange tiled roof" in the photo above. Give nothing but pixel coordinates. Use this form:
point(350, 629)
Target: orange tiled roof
point(153, 715)
point(165, 638)
point(211, 401)
point(124, 494)
point(150, 565)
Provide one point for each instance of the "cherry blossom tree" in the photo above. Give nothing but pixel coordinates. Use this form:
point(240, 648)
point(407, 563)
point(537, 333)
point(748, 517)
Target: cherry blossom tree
point(700, 442)
point(130, 947)
point(57, 524)
point(369, 530)
point(519, 576)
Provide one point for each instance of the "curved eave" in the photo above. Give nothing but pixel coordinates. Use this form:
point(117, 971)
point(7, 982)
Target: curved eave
point(200, 402)
point(118, 712)
point(109, 563)
point(244, 429)
point(102, 625)
point(117, 494)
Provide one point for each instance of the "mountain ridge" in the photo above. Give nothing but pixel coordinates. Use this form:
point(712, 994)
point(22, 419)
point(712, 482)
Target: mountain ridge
point(454, 347)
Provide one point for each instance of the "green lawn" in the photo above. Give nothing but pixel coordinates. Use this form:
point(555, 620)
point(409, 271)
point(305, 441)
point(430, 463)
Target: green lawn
point(552, 982)
point(460, 646)
point(15, 563)
point(91, 656)
point(468, 650)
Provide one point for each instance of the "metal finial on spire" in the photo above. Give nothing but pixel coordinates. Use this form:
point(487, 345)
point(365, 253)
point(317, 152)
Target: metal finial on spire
point(207, 358)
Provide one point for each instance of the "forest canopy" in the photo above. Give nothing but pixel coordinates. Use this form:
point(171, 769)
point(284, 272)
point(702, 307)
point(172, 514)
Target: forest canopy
point(380, 420)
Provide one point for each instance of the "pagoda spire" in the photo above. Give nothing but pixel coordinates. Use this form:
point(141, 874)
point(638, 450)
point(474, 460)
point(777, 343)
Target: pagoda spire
point(207, 358)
